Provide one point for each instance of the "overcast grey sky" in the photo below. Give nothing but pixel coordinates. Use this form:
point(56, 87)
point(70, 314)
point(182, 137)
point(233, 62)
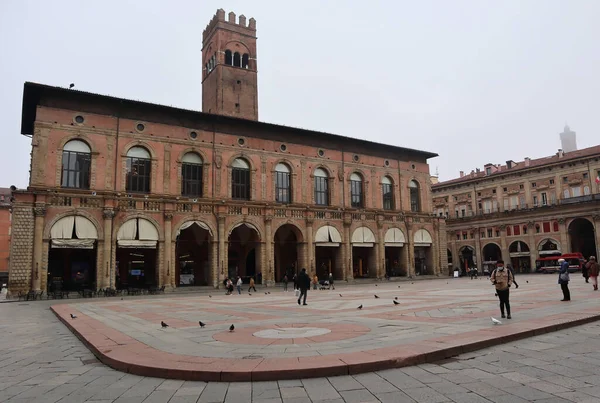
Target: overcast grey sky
point(476, 81)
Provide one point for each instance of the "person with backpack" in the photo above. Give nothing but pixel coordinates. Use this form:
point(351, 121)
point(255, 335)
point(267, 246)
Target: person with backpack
point(303, 285)
point(563, 279)
point(502, 280)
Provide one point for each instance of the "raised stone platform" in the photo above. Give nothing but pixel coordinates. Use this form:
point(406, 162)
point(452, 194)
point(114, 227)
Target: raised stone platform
point(274, 338)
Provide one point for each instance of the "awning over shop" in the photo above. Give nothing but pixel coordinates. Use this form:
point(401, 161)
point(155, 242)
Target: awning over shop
point(327, 236)
point(394, 237)
point(73, 232)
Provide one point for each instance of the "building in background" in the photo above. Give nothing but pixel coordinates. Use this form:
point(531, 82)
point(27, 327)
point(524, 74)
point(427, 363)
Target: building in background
point(5, 230)
point(129, 194)
point(523, 211)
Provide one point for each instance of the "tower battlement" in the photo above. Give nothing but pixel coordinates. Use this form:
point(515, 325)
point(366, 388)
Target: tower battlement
point(238, 24)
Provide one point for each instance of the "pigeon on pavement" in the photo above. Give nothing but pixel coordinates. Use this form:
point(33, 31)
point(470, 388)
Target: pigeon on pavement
point(231, 328)
point(376, 296)
point(340, 295)
point(73, 316)
point(396, 302)
point(202, 324)
point(496, 321)
point(359, 307)
point(163, 324)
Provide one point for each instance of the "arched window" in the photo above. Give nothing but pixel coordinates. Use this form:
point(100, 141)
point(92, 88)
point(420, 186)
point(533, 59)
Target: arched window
point(228, 58)
point(240, 179)
point(321, 187)
point(356, 191)
point(282, 184)
point(245, 60)
point(415, 202)
point(138, 170)
point(388, 193)
point(237, 61)
point(76, 165)
point(191, 175)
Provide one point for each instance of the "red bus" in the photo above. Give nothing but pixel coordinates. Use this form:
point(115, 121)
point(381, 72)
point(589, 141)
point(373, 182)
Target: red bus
point(550, 264)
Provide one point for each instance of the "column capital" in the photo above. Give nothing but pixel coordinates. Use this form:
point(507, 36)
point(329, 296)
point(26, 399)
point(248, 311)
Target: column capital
point(310, 220)
point(39, 211)
point(108, 214)
point(168, 216)
point(596, 217)
point(561, 220)
point(268, 219)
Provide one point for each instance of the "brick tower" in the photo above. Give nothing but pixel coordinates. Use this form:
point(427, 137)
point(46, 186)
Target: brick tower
point(229, 81)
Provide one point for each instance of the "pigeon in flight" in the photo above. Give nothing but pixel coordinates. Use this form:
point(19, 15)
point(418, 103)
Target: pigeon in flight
point(202, 324)
point(163, 324)
point(396, 302)
point(376, 296)
point(496, 321)
point(73, 316)
point(231, 328)
point(359, 307)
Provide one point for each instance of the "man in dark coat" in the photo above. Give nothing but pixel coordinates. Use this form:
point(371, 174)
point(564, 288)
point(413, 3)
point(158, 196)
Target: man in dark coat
point(303, 285)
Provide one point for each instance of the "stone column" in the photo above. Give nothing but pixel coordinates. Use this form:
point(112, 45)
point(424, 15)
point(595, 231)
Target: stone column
point(349, 274)
point(436, 250)
point(310, 246)
point(268, 255)
point(410, 269)
point(503, 247)
point(38, 244)
point(596, 218)
point(222, 259)
point(532, 246)
point(564, 238)
point(214, 263)
point(169, 280)
point(380, 249)
point(478, 252)
point(106, 269)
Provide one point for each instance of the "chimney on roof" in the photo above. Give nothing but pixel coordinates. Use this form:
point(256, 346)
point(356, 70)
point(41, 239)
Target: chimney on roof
point(509, 164)
point(560, 153)
point(462, 173)
point(477, 170)
point(472, 173)
point(527, 161)
point(568, 140)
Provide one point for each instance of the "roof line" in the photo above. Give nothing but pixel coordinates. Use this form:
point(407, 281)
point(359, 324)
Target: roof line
point(32, 95)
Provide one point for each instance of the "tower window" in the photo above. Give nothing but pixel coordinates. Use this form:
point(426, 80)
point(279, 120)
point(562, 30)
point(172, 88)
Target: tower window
point(237, 61)
point(245, 59)
point(228, 58)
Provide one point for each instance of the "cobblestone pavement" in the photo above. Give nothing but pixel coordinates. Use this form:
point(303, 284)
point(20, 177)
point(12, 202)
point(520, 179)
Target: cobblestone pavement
point(42, 361)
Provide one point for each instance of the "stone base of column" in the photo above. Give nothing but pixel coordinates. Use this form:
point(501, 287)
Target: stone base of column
point(269, 283)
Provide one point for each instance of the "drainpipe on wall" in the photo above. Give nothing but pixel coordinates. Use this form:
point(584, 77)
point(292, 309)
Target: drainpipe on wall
point(111, 264)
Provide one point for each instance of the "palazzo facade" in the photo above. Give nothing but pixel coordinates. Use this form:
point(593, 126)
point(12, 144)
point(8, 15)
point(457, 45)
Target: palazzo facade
point(131, 194)
point(523, 211)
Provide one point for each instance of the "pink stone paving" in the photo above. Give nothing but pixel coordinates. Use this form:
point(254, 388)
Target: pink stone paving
point(274, 338)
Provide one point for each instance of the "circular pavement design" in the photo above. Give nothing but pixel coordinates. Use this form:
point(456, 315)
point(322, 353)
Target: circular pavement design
point(291, 332)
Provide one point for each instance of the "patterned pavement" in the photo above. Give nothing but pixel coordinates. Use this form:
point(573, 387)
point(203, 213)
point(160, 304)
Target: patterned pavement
point(275, 339)
point(42, 361)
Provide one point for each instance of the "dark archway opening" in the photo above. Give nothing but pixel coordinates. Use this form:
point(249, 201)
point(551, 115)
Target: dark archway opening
point(192, 257)
point(242, 256)
point(467, 258)
point(286, 252)
point(136, 267)
point(71, 269)
point(520, 257)
point(581, 233)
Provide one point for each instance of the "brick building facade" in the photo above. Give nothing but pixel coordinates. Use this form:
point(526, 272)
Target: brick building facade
point(130, 194)
point(522, 211)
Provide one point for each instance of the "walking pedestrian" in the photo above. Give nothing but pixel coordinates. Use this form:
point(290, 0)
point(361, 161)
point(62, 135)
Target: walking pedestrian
point(251, 286)
point(593, 268)
point(331, 281)
point(304, 285)
point(502, 279)
point(315, 281)
point(585, 271)
point(295, 280)
point(285, 281)
point(239, 285)
point(563, 279)
point(509, 267)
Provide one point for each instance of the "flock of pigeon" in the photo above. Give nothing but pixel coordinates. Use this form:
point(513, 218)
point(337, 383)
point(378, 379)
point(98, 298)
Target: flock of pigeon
point(232, 327)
